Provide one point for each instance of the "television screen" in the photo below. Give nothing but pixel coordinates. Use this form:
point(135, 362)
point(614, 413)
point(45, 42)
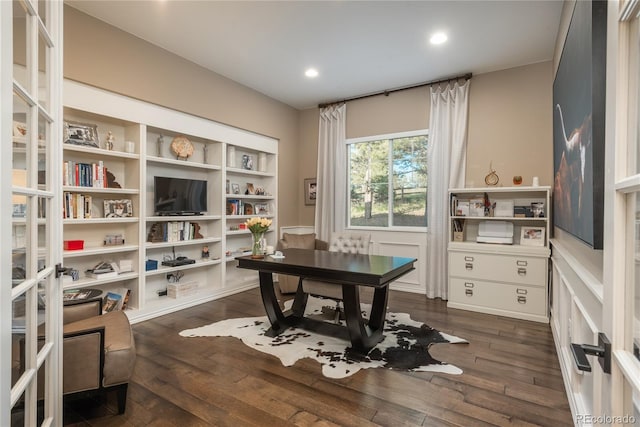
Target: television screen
point(177, 196)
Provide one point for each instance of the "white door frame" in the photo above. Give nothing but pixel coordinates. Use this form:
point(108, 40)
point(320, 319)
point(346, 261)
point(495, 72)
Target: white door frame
point(38, 95)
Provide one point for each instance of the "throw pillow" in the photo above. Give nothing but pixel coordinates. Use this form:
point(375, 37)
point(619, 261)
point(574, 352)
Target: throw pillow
point(300, 241)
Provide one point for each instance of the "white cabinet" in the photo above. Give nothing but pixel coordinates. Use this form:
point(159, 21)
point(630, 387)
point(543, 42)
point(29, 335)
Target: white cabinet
point(507, 279)
point(142, 136)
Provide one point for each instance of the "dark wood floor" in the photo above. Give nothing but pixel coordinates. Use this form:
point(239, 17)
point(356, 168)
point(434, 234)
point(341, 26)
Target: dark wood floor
point(511, 377)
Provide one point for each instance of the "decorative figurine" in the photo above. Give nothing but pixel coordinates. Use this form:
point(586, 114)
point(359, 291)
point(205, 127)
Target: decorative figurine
point(205, 252)
point(110, 139)
point(160, 143)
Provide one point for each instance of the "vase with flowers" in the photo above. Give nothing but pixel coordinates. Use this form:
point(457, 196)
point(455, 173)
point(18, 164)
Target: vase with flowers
point(257, 226)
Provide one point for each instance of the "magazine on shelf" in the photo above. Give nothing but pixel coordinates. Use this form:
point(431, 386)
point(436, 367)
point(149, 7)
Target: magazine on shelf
point(116, 299)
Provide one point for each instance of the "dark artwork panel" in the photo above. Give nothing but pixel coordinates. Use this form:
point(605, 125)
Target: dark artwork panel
point(578, 125)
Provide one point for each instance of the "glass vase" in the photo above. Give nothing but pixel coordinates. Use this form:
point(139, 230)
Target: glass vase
point(256, 247)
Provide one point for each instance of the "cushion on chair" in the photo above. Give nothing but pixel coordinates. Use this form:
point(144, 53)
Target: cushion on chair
point(120, 350)
point(300, 241)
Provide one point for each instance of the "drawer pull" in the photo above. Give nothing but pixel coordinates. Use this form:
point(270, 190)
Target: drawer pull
point(522, 271)
point(468, 266)
point(522, 263)
point(468, 285)
point(468, 292)
point(468, 258)
point(522, 300)
point(521, 291)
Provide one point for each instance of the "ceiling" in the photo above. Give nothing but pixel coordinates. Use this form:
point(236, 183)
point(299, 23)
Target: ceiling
point(358, 47)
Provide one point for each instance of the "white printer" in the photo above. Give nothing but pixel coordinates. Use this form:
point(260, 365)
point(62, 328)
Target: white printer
point(495, 232)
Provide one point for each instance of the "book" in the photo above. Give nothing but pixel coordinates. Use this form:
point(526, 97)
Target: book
point(112, 302)
point(104, 275)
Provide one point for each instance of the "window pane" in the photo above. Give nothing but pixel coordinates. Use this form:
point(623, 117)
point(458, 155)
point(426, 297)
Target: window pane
point(410, 181)
point(369, 188)
point(20, 43)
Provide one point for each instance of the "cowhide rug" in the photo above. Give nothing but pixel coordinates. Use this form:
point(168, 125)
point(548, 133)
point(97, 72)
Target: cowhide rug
point(405, 345)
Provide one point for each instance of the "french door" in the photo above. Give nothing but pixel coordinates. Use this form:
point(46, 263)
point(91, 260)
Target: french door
point(622, 301)
point(30, 225)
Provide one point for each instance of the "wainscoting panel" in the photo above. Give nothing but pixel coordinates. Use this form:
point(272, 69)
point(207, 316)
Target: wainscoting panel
point(576, 315)
point(411, 282)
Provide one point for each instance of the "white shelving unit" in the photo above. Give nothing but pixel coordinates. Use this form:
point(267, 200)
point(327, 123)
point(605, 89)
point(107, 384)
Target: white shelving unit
point(504, 279)
point(136, 158)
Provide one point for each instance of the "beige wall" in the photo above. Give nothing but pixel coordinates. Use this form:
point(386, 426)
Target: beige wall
point(98, 54)
point(510, 125)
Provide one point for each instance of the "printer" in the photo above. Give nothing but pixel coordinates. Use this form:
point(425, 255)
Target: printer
point(495, 232)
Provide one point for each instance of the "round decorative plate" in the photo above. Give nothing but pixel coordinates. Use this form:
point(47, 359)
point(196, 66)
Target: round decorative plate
point(182, 147)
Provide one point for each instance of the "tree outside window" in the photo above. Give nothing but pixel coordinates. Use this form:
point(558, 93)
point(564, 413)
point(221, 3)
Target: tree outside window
point(388, 181)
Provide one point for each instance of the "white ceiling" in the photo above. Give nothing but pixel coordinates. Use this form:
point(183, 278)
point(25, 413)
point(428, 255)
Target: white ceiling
point(358, 47)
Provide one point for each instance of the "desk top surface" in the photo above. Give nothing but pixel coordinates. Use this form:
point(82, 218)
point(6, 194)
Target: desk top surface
point(368, 270)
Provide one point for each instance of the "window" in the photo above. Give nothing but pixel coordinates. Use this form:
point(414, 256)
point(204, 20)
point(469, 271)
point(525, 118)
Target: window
point(387, 180)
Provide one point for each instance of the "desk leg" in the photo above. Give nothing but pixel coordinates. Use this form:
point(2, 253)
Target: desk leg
point(279, 321)
point(364, 337)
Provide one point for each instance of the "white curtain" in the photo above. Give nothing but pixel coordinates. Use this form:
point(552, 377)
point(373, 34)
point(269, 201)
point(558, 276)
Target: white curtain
point(446, 169)
point(331, 176)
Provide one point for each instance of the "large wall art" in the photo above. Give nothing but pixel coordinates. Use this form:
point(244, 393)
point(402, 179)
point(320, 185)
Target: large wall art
point(578, 125)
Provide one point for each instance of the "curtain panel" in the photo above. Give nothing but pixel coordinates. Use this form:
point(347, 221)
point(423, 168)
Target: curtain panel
point(446, 169)
point(331, 176)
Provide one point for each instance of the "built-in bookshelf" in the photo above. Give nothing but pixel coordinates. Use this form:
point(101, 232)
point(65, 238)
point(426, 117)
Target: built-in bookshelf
point(109, 211)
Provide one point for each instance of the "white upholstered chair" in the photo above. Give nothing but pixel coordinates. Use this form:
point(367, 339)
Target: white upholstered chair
point(344, 242)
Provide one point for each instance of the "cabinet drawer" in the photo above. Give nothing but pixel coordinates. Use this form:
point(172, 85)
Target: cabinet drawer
point(501, 268)
point(501, 296)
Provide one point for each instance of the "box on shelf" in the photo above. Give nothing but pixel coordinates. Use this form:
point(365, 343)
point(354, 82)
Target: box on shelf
point(495, 232)
point(182, 289)
point(150, 264)
point(504, 208)
point(73, 245)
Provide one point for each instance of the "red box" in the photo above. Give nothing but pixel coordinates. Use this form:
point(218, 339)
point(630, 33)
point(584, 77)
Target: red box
point(73, 245)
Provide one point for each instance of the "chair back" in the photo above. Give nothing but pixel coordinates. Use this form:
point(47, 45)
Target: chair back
point(353, 243)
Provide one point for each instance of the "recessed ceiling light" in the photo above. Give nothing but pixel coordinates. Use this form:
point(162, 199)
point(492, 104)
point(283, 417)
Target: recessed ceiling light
point(438, 38)
point(311, 72)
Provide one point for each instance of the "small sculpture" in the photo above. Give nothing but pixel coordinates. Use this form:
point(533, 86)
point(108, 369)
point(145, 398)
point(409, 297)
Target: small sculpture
point(160, 144)
point(110, 139)
point(492, 177)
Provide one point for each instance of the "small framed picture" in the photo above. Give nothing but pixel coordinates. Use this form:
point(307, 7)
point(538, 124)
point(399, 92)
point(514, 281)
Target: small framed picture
point(228, 187)
point(532, 236)
point(117, 208)
point(235, 188)
point(81, 134)
point(261, 209)
point(247, 161)
point(250, 188)
point(310, 191)
point(19, 129)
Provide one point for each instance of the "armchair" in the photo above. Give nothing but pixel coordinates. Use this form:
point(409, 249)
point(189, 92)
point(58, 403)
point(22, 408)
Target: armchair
point(353, 243)
point(98, 350)
point(289, 284)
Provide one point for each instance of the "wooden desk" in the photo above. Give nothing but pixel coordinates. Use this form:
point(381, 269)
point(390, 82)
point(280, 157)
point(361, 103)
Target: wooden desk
point(346, 270)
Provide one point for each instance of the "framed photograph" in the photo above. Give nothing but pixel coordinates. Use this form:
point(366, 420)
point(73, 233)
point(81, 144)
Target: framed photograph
point(19, 129)
point(261, 209)
point(250, 188)
point(235, 188)
point(117, 208)
point(310, 191)
point(247, 161)
point(532, 236)
point(248, 209)
point(81, 134)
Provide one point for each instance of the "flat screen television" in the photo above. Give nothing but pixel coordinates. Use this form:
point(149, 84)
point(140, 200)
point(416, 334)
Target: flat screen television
point(178, 196)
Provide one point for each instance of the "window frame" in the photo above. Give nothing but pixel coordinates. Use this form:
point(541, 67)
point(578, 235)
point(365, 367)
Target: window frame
point(371, 138)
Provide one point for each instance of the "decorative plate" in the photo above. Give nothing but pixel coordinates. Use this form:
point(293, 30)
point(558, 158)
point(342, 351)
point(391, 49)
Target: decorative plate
point(492, 177)
point(182, 147)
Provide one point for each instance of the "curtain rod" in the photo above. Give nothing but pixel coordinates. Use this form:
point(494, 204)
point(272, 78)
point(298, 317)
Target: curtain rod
point(390, 91)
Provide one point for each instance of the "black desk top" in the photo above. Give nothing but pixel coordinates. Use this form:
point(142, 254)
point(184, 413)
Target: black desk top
point(366, 270)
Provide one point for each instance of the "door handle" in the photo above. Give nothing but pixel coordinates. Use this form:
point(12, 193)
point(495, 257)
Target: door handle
point(602, 350)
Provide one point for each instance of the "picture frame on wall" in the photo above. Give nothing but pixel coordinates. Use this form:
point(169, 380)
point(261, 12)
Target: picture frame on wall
point(310, 191)
point(81, 134)
point(532, 236)
point(579, 126)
